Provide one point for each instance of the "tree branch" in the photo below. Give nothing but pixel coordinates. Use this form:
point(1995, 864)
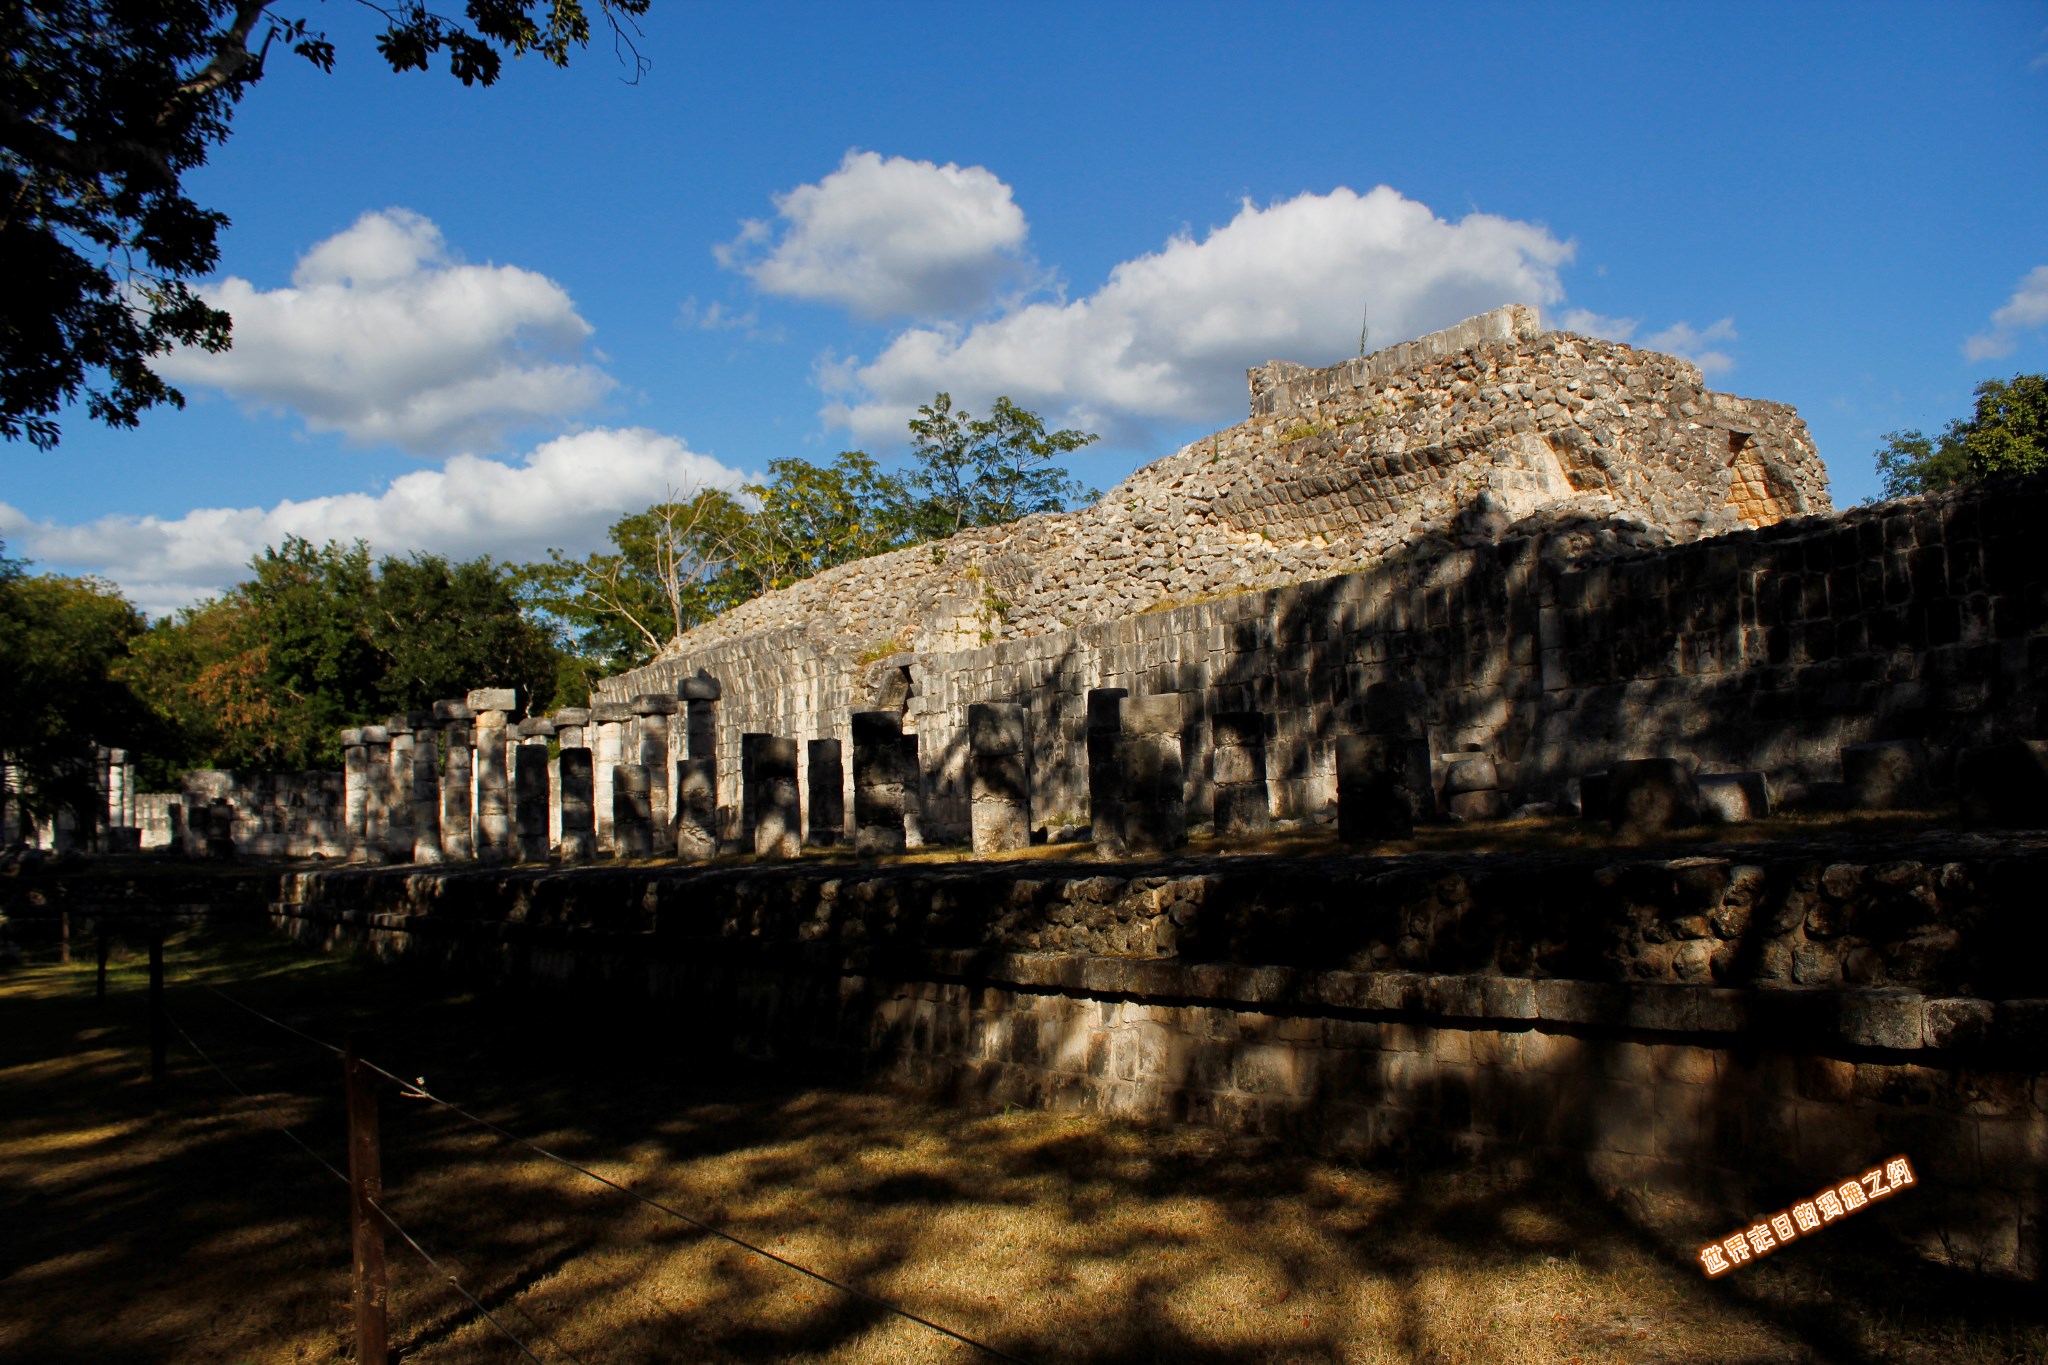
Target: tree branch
point(230, 57)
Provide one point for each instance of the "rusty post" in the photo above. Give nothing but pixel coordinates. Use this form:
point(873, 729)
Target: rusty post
point(157, 1040)
point(365, 1189)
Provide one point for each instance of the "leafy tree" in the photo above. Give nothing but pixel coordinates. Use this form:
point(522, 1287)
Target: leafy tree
point(2007, 434)
point(60, 639)
point(811, 517)
point(266, 675)
point(104, 107)
point(987, 471)
point(669, 568)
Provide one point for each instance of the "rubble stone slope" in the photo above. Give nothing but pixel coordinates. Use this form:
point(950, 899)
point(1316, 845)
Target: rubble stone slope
point(1452, 437)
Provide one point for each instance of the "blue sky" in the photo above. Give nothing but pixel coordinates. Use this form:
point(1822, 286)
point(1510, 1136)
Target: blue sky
point(494, 320)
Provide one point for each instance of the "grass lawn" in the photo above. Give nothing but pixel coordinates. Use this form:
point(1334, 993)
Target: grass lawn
point(183, 1228)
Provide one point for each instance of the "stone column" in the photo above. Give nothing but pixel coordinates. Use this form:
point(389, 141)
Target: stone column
point(355, 793)
point(398, 839)
point(117, 796)
point(569, 723)
point(493, 828)
point(999, 777)
point(1155, 784)
point(531, 791)
point(458, 778)
point(779, 822)
point(632, 813)
point(878, 782)
point(649, 749)
point(424, 794)
point(696, 802)
point(698, 697)
point(910, 763)
point(377, 783)
point(578, 838)
point(827, 778)
point(608, 723)
point(1242, 805)
point(750, 806)
point(1374, 800)
point(1106, 769)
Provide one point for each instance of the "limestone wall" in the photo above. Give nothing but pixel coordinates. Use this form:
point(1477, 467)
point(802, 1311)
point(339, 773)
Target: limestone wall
point(276, 814)
point(1335, 470)
point(1556, 654)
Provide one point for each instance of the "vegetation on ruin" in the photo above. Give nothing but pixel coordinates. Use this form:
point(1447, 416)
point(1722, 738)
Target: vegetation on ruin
point(104, 108)
point(2006, 434)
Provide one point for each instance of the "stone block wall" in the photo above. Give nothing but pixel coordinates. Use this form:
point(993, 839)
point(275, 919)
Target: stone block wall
point(1743, 1023)
point(276, 814)
point(1555, 655)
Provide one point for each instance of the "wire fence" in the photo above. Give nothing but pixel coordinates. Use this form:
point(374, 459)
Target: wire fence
point(416, 1089)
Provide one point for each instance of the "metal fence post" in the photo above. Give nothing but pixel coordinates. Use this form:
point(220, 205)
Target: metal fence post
point(365, 1189)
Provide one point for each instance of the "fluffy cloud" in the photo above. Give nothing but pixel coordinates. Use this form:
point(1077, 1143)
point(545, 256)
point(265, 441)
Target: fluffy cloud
point(1169, 336)
point(383, 336)
point(2026, 310)
point(1700, 345)
point(888, 237)
point(564, 493)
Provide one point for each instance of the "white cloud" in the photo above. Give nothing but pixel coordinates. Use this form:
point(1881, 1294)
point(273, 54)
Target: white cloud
point(1699, 345)
point(564, 493)
point(1591, 324)
point(383, 336)
point(2023, 312)
point(1169, 336)
point(888, 237)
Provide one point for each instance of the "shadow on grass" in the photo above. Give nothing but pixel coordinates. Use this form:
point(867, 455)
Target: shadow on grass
point(179, 1227)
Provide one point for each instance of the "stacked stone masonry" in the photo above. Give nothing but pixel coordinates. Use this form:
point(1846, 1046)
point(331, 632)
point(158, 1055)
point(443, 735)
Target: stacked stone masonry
point(1729, 1022)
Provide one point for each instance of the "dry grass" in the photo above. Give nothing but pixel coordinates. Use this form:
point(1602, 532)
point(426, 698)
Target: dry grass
point(189, 1231)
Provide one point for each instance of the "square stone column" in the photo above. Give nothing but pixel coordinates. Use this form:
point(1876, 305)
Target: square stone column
point(424, 794)
point(778, 827)
point(1106, 769)
point(529, 765)
point(696, 802)
point(698, 698)
point(398, 797)
point(750, 806)
point(355, 793)
point(999, 777)
point(880, 783)
point(377, 788)
point(578, 839)
point(569, 723)
point(1155, 782)
point(493, 831)
point(649, 748)
point(1374, 801)
point(632, 814)
point(608, 723)
point(1242, 804)
point(458, 781)
point(826, 775)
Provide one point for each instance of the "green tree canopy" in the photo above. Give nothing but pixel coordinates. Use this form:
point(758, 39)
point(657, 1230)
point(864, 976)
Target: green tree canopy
point(988, 471)
point(266, 675)
point(2007, 434)
point(105, 105)
point(60, 640)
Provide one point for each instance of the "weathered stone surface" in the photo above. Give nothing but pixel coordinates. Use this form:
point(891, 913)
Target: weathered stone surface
point(632, 813)
point(880, 782)
point(696, 810)
point(492, 699)
point(825, 776)
point(446, 711)
point(1886, 775)
point(529, 802)
point(703, 688)
point(778, 825)
point(653, 704)
point(579, 820)
point(1647, 796)
point(1373, 788)
point(1732, 798)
